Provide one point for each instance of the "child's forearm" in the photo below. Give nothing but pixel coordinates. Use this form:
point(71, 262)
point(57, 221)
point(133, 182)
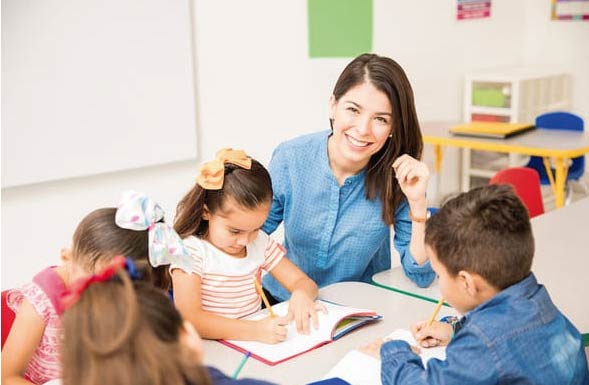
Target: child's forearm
point(306, 286)
point(24, 338)
point(214, 327)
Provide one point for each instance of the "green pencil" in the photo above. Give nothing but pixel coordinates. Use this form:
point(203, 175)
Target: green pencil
point(241, 365)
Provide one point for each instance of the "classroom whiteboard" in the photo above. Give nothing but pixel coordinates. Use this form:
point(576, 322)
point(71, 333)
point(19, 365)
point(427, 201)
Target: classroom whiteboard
point(93, 86)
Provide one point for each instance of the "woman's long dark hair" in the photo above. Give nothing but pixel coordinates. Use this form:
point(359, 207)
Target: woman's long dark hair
point(388, 77)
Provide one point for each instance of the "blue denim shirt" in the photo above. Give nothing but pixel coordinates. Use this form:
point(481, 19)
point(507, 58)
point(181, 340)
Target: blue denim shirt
point(332, 232)
point(516, 337)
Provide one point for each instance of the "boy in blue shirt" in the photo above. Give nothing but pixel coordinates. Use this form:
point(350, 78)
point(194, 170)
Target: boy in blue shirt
point(480, 244)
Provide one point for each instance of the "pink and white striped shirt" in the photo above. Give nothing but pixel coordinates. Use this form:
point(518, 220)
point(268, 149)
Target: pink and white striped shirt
point(44, 293)
point(227, 286)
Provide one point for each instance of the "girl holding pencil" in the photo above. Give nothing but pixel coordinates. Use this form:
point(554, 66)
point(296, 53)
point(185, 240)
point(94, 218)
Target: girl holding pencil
point(220, 220)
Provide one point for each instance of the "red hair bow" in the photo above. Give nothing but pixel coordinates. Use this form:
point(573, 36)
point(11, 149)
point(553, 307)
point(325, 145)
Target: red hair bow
point(77, 288)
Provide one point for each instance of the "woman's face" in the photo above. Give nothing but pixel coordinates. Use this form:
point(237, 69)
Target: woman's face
point(362, 122)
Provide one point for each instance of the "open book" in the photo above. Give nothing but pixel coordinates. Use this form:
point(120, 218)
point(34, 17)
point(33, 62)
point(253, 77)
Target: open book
point(359, 368)
point(338, 321)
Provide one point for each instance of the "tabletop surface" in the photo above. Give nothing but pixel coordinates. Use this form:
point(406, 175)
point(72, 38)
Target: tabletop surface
point(561, 263)
point(398, 310)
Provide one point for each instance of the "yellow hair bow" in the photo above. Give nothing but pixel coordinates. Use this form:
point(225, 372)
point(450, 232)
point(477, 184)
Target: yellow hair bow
point(212, 173)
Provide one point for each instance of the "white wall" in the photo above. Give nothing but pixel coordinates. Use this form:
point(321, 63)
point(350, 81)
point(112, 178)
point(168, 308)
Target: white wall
point(559, 43)
point(257, 87)
point(39, 220)
point(254, 70)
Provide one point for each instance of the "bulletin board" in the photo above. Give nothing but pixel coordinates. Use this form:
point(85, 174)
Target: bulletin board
point(95, 86)
point(570, 10)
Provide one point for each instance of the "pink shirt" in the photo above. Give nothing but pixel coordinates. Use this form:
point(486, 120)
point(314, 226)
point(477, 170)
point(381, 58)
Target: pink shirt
point(44, 294)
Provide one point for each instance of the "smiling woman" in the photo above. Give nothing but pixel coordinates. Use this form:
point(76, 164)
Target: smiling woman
point(339, 191)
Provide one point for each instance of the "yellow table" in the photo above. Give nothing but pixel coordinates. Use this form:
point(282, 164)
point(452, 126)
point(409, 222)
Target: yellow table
point(560, 145)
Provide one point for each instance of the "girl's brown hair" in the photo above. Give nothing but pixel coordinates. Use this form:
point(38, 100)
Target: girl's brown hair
point(248, 188)
point(98, 239)
point(125, 333)
point(388, 77)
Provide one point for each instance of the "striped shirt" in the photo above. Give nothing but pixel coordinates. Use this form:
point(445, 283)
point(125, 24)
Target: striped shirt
point(42, 293)
point(227, 286)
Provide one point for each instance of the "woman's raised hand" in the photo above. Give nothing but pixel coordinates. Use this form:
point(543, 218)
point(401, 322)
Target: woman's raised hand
point(413, 176)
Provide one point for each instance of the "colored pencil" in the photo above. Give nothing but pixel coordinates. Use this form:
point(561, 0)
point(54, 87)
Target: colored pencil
point(241, 365)
point(261, 293)
point(436, 310)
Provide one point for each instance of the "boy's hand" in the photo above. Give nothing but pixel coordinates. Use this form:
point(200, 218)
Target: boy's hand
point(373, 348)
point(437, 334)
point(272, 330)
point(300, 308)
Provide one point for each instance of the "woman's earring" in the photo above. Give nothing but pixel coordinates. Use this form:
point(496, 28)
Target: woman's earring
point(391, 135)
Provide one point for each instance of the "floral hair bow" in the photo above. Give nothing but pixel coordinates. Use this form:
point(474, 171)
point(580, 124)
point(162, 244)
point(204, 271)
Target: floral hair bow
point(139, 212)
point(212, 174)
point(73, 294)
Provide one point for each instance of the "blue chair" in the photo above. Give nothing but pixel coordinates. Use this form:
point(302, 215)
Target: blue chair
point(559, 121)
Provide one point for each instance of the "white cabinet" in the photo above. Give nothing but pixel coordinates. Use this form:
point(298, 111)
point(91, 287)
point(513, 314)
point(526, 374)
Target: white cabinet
point(512, 95)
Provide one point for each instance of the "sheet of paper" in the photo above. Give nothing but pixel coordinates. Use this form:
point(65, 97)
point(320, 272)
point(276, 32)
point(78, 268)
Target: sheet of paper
point(426, 354)
point(357, 368)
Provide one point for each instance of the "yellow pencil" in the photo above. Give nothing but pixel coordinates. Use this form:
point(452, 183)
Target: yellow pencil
point(435, 313)
point(261, 293)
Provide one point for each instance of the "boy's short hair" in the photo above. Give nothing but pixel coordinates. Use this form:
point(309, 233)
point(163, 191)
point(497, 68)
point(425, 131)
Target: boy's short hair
point(485, 231)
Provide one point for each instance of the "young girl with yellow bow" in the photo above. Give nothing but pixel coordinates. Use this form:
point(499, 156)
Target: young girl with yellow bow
point(220, 220)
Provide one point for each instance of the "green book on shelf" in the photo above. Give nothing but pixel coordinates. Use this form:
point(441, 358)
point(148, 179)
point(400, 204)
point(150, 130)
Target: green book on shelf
point(498, 130)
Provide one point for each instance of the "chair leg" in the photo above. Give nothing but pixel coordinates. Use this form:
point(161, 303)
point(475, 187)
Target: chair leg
point(568, 193)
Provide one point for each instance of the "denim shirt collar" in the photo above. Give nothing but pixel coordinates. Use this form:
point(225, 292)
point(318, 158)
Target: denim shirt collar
point(523, 289)
point(324, 161)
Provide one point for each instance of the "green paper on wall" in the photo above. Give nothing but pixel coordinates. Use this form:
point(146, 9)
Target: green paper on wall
point(339, 28)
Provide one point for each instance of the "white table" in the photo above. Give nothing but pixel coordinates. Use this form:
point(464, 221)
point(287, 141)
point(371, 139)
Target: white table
point(399, 311)
point(561, 263)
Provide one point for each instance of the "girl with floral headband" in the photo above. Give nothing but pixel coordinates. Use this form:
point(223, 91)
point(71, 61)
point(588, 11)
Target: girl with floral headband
point(135, 229)
point(219, 221)
point(120, 331)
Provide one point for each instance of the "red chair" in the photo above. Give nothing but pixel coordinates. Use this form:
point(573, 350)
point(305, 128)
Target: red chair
point(526, 183)
point(7, 317)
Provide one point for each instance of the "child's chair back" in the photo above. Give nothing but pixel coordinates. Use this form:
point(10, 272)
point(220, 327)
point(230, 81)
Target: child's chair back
point(526, 183)
point(559, 121)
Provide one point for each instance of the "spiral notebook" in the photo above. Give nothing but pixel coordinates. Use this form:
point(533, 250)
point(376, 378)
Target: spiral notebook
point(338, 321)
